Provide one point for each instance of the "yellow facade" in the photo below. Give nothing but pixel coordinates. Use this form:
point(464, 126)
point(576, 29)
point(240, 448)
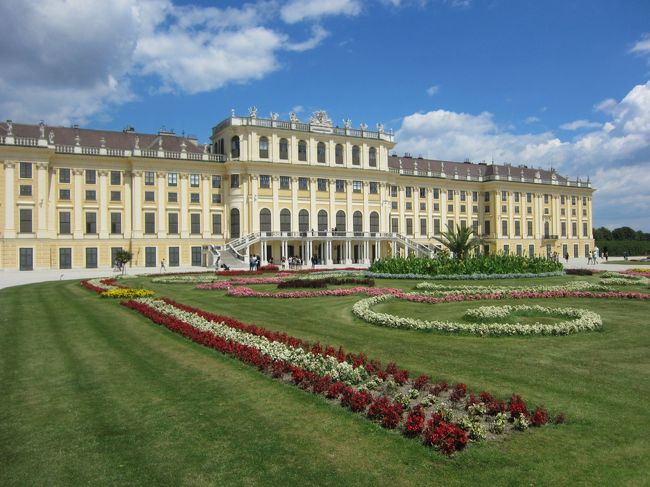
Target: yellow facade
point(72, 197)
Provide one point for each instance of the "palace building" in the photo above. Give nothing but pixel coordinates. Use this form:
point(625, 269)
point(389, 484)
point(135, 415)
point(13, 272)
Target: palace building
point(73, 197)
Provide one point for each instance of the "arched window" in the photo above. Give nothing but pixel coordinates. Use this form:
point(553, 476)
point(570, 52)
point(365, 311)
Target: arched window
point(234, 223)
point(302, 150)
point(372, 157)
point(357, 222)
point(234, 147)
point(264, 148)
point(321, 152)
point(338, 154)
point(340, 221)
point(284, 149)
point(303, 221)
point(374, 222)
point(322, 222)
point(265, 220)
point(285, 220)
point(356, 158)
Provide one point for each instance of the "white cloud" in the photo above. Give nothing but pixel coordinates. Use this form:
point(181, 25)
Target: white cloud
point(531, 119)
point(642, 47)
point(615, 154)
point(432, 90)
point(318, 35)
point(298, 109)
point(299, 10)
point(579, 124)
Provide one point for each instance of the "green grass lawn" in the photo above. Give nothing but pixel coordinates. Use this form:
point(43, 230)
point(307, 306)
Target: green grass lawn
point(93, 393)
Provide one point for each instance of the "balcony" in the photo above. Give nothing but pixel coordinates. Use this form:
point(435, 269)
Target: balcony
point(550, 237)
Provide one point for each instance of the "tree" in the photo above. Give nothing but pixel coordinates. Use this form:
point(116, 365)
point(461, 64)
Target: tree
point(602, 233)
point(460, 241)
point(624, 233)
point(122, 258)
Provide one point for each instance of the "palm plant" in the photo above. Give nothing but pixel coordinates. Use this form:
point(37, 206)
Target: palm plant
point(460, 241)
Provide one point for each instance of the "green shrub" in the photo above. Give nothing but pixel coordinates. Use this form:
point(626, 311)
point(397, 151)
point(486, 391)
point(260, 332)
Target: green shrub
point(481, 264)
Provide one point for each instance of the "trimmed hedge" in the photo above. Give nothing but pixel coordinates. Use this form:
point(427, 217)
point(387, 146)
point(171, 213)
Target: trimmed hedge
point(617, 247)
point(481, 264)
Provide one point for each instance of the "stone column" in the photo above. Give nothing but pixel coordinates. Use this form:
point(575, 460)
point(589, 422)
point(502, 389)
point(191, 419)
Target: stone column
point(42, 199)
point(10, 200)
point(366, 212)
point(78, 204)
point(275, 216)
point(313, 214)
point(127, 229)
point(184, 216)
point(51, 205)
point(103, 203)
point(348, 206)
point(255, 223)
point(332, 193)
point(206, 224)
point(294, 204)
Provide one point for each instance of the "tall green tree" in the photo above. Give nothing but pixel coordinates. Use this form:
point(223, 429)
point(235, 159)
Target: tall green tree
point(460, 241)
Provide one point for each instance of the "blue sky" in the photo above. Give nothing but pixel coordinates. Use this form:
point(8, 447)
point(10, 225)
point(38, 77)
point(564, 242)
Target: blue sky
point(557, 83)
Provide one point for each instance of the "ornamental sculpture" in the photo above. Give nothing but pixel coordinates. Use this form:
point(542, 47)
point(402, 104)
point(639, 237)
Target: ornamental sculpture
point(320, 118)
point(252, 112)
point(293, 117)
point(347, 123)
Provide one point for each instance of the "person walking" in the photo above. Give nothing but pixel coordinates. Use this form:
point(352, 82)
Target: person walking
point(163, 268)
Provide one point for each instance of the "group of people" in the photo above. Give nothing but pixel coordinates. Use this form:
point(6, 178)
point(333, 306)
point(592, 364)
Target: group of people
point(296, 263)
point(254, 263)
point(594, 255)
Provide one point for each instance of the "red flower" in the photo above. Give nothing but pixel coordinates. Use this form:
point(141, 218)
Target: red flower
point(414, 421)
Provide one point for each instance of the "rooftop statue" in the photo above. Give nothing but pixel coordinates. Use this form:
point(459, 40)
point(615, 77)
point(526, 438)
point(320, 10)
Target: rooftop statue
point(320, 118)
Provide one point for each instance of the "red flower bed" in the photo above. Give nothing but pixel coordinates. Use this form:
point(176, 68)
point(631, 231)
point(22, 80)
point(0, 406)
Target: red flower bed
point(446, 437)
point(414, 422)
point(517, 406)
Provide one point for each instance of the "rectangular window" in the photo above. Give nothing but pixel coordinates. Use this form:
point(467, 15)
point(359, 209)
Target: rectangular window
point(149, 196)
point(463, 195)
point(450, 208)
point(393, 191)
point(196, 256)
point(195, 180)
point(436, 193)
point(393, 205)
point(423, 192)
point(64, 194)
point(216, 224)
point(116, 178)
point(172, 223)
point(517, 228)
point(216, 198)
point(25, 170)
point(585, 232)
point(436, 207)
point(475, 227)
point(409, 191)
point(436, 226)
point(529, 210)
point(91, 176)
point(114, 252)
point(172, 179)
point(576, 251)
point(91, 258)
point(463, 224)
point(423, 226)
point(516, 210)
point(529, 197)
point(562, 199)
point(64, 223)
point(65, 258)
point(463, 208)
point(303, 184)
point(487, 197)
point(64, 175)
point(504, 228)
point(216, 182)
point(174, 257)
point(149, 178)
point(504, 196)
point(518, 249)
point(562, 212)
point(475, 208)
point(150, 223)
point(394, 225)
point(486, 227)
point(423, 206)
point(475, 196)
point(150, 256)
point(356, 186)
point(574, 229)
point(25, 221)
point(340, 186)
point(116, 195)
point(91, 195)
point(573, 212)
point(516, 196)
point(563, 229)
point(546, 199)
point(195, 223)
point(409, 226)
point(573, 200)
point(322, 184)
point(504, 209)
point(450, 225)
point(116, 223)
point(486, 209)
point(91, 222)
point(409, 205)
point(265, 181)
point(284, 182)
point(172, 197)
point(195, 198)
point(234, 181)
point(529, 228)
point(25, 190)
point(450, 194)
point(531, 250)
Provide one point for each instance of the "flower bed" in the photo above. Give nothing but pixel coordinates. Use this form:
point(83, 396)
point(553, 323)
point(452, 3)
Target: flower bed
point(582, 320)
point(385, 395)
point(246, 292)
point(467, 277)
point(446, 289)
point(324, 282)
point(127, 293)
point(101, 284)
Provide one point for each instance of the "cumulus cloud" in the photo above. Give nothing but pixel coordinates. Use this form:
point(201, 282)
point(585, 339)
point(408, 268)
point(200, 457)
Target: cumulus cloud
point(642, 47)
point(67, 60)
point(579, 124)
point(615, 154)
point(299, 10)
point(531, 119)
